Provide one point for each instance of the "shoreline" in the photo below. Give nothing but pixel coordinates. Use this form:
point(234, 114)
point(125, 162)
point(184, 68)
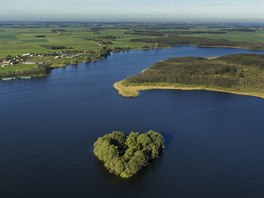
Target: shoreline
point(125, 50)
point(133, 91)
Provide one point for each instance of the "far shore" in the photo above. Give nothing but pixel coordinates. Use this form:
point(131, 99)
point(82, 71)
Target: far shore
point(55, 66)
point(133, 91)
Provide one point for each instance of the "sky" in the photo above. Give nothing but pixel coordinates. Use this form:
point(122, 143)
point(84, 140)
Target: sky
point(132, 10)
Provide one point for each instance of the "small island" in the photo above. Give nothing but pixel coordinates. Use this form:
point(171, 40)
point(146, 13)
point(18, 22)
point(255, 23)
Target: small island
point(125, 155)
point(238, 74)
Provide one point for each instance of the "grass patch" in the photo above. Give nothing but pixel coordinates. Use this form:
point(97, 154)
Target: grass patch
point(17, 67)
point(23, 39)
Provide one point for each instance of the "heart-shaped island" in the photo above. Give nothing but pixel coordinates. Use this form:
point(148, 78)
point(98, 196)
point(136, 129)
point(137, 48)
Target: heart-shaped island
point(125, 155)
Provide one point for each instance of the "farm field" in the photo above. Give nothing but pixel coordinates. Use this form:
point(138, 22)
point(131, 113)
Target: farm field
point(57, 45)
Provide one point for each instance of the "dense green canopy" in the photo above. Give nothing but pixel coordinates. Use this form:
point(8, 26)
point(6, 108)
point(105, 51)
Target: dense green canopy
point(126, 155)
point(236, 71)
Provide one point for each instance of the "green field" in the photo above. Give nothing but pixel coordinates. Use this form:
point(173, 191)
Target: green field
point(254, 37)
point(19, 39)
point(16, 41)
point(91, 42)
point(17, 67)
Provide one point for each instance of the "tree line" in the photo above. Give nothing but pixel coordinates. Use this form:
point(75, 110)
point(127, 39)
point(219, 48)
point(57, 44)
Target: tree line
point(232, 71)
point(175, 40)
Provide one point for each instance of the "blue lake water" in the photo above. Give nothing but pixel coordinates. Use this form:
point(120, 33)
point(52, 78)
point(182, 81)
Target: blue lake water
point(214, 141)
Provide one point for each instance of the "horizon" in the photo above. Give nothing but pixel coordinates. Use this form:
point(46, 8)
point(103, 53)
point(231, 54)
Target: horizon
point(133, 11)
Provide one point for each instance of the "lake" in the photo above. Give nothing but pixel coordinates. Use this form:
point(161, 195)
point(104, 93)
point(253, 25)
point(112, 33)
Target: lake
point(214, 141)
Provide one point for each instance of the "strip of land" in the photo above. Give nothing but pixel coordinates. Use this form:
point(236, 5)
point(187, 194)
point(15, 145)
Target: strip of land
point(237, 74)
point(133, 91)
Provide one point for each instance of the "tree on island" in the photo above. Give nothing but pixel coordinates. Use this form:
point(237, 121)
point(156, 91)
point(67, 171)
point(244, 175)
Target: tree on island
point(126, 155)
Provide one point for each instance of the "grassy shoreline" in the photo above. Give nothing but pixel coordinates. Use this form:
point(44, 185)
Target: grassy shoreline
point(55, 66)
point(133, 91)
point(240, 74)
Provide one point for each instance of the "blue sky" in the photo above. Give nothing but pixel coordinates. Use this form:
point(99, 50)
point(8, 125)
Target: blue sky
point(123, 10)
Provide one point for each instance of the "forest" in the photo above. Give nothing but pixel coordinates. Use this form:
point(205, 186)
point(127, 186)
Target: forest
point(177, 40)
point(125, 155)
point(238, 72)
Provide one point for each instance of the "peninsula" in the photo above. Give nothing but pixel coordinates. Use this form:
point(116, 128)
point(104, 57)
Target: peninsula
point(238, 74)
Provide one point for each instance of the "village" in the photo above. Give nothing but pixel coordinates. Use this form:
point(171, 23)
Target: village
point(28, 65)
point(12, 60)
point(35, 58)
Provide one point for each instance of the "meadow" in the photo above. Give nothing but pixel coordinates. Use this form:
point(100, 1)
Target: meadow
point(253, 37)
point(20, 40)
point(78, 42)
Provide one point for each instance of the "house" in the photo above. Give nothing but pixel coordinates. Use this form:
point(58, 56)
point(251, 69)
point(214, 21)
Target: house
point(29, 63)
point(25, 55)
point(33, 63)
point(4, 63)
point(1, 64)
